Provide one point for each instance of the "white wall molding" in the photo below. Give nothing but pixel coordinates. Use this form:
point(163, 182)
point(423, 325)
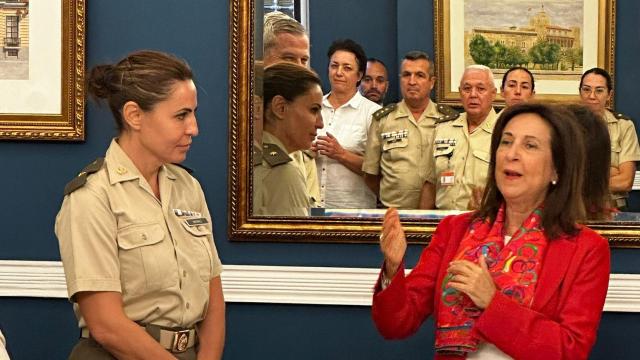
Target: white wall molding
point(273, 284)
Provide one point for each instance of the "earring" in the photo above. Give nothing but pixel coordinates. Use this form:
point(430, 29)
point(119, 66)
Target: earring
point(554, 182)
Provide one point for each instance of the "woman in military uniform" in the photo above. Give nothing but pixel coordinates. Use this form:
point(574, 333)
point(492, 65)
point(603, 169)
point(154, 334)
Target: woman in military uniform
point(596, 89)
point(134, 230)
point(292, 104)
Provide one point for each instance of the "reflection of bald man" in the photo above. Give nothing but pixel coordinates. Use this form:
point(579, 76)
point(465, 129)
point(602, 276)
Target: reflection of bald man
point(285, 39)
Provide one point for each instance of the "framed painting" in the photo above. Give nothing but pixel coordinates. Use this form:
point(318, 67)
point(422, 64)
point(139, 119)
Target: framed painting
point(556, 40)
point(42, 62)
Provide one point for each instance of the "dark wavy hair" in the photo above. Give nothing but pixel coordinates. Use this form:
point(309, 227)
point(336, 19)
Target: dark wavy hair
point(563, 205)
point(595, 191)
point(353, 47)
point(145, 77)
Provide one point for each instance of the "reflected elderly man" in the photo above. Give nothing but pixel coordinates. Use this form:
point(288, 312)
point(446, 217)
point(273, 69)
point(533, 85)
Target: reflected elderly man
point(285, 40)
point(375, 82)
point(460, 154)
point(397, 156)
point(518, 86)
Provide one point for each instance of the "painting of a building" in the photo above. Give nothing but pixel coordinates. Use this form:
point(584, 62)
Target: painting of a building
point(540, 29)
point(14, 29)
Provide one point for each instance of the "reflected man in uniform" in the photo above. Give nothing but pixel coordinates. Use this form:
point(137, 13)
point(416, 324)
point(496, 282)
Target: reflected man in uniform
point(460, 154)
point(397, 155)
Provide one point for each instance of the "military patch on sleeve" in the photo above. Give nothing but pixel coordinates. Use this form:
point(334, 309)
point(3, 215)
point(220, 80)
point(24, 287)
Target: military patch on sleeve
point(81, 179)
point(448, 113)
point(384, 111)
point(273, 155)
point(621, 116)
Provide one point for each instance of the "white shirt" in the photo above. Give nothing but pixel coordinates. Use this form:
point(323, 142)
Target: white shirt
point(341, 188)
point(3, 351)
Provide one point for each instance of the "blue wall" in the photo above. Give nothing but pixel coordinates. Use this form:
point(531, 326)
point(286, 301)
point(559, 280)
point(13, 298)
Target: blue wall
point(34, 174)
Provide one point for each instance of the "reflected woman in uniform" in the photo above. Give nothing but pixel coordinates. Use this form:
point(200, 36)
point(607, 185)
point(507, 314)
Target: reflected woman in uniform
point(596, 89)
point(292, 104)
point(134, 230)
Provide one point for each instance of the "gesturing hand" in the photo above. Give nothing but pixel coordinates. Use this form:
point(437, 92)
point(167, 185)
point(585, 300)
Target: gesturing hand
point(393, 243)
point(328, 145)
point(473, 280)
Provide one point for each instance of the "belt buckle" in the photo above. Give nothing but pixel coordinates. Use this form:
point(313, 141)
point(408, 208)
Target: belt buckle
point(180, 341)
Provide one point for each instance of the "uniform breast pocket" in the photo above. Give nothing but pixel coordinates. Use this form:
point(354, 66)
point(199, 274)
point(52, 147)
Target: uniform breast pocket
point(202, 256)
point(615, 154)
point(442, 156)
point(481, 167)
point(144, 257)
point(393, 150)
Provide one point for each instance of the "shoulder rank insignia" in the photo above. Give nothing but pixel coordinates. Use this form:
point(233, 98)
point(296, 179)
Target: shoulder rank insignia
point(187, 169)
point(273, 155)
point(256, 154)
point(448, 113)
point(384, 111)
point(81, 179)
point(621, 116)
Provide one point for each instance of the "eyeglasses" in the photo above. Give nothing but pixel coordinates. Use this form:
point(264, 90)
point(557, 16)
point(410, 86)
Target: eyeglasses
point(599, 91)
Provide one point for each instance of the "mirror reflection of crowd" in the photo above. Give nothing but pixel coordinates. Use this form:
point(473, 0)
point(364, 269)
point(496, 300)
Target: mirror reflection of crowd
point(416, 154)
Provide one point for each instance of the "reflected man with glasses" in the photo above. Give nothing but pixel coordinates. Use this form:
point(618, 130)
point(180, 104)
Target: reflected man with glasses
point(596, 89)
point(460, 152)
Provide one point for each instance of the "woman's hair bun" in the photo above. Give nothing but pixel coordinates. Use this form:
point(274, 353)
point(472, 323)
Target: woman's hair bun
point(100, 81)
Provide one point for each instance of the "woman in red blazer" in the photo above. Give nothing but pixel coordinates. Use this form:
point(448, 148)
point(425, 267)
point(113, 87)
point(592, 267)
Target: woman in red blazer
point(519, 278)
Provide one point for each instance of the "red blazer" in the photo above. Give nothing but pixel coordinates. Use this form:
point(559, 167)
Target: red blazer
point(561, 323)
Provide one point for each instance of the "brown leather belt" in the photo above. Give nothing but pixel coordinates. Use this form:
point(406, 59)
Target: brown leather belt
point(174, 340)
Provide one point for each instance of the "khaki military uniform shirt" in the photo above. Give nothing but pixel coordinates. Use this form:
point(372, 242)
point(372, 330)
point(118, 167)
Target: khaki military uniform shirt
point(279, 189)
point(115, 235)
point(307, 164)
point(398, 150)
point(460, 160)
point(624, 146)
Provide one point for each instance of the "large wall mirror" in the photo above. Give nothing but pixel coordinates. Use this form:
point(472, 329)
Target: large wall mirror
point(334, 226)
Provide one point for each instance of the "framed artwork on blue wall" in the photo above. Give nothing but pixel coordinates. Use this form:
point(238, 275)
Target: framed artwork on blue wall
point(556, 40)
point(42, 65)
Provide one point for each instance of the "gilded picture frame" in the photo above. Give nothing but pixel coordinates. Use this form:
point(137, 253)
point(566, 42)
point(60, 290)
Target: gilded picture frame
point(557, 41)
point(49, 103)
point(243, 226)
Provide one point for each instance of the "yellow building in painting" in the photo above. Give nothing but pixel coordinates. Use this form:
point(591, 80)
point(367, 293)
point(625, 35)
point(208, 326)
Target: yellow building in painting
point(539, 29)
point(14, 29)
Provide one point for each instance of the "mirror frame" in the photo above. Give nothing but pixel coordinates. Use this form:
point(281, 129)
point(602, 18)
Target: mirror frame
point(243, 227)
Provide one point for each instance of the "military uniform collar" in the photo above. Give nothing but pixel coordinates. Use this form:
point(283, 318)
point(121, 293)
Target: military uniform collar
point(121, 168)
point(487, 125)
point(354, 102)
point(431, 111)
point(609, 117)
point(268, 137)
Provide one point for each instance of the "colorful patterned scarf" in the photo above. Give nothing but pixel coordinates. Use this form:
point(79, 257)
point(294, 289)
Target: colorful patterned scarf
point(514, 268)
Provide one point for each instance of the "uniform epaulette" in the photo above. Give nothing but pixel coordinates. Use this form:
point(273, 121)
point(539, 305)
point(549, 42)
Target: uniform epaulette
point(256, 154)
point(384, 111)
point(187, 169)
point(273, 155)
point(81, 179)
point(621, 116)
point(448, 113)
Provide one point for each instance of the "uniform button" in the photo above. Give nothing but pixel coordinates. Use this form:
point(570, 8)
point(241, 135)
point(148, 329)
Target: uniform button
point(144, 236)
point(184, 273)
point(200, 227)
point(188, 305)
